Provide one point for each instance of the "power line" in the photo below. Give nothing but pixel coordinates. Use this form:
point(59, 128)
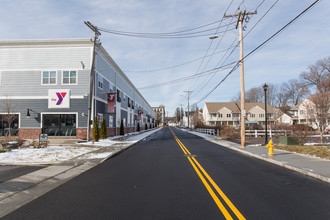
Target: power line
point(162, 36)
point(174, 66)
point(262, 44)
point(187, 77)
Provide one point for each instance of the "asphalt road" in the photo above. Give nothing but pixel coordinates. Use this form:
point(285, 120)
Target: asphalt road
point(182, 176)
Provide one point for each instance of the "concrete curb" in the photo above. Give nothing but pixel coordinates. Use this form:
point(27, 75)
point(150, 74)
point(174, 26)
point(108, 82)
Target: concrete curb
point(278, 163)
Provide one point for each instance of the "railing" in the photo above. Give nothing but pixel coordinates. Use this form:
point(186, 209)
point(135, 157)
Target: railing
point(210, 131)
point(270, 133)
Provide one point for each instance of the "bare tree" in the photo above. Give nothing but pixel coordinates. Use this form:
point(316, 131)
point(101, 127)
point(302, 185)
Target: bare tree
point(318, 75)
point(295, 91)
point(9, 116)
point(318, 111)
point(195, 120)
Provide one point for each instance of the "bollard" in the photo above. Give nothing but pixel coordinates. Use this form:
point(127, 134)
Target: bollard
point(270, 147)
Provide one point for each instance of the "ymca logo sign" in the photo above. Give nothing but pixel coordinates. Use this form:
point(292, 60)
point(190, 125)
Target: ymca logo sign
point(59, 98)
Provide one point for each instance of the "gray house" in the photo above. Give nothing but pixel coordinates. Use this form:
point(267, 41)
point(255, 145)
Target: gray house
point(47, 84)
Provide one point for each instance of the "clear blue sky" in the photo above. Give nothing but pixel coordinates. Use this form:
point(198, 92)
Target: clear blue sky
point(283, 58)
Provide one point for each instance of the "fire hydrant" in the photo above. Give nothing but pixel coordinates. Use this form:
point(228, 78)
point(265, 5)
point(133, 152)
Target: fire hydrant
point(270, 147)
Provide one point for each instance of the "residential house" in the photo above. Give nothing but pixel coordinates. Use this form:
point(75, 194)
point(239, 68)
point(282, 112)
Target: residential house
point(229, 113)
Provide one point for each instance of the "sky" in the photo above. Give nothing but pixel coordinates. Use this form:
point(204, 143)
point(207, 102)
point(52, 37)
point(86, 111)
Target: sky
point(151, 61)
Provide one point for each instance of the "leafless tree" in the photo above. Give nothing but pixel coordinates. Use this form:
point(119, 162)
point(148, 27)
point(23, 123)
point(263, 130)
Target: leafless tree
point(9, 116)
point(195, 119)
point(318, 111)
point(295, 91)
point(318, 75)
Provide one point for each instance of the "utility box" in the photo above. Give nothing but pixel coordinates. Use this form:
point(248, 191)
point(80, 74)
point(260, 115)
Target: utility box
point(288, 140)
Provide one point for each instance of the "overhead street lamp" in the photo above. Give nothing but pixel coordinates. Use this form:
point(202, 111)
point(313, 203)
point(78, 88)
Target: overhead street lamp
point(265, 89)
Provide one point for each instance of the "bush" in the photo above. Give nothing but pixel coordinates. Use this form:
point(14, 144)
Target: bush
point(96, 132)
point(301, 133)
point(122, 129)
point(103, 134)
point(138, 127)
point(228, 131)
point(145, 126)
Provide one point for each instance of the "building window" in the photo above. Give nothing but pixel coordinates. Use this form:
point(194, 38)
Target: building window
point(118, 96)
point(228, 115)
point(302, 112)
point(59, 124)
point(261, 115)
point(100, 81)
point(253, 115)
point(220, 115)
point(4, 128)
point(49, 77)
point(69, 77)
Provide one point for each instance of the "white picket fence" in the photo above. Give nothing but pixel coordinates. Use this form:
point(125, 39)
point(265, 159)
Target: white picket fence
point(255, 133)
point(270, 133)
point(210, 131)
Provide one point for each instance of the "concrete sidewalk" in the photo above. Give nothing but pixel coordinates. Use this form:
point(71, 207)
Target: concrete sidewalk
point(307, 165)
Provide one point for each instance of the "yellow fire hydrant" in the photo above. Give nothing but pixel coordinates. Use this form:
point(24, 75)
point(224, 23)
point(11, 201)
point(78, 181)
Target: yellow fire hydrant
point(270, 147)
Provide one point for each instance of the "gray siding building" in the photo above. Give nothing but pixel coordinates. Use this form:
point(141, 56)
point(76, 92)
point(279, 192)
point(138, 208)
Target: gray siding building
point(47, 84)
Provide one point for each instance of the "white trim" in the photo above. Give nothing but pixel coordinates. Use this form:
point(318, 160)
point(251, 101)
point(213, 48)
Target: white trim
point(37, 97)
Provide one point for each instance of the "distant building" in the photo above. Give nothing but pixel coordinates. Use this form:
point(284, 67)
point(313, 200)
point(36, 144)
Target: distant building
point(159, 114)
point(48, 83)
point(229, 113)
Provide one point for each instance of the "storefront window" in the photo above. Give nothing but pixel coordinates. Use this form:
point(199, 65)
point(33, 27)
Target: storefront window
point(4, 128)
point(59, 124)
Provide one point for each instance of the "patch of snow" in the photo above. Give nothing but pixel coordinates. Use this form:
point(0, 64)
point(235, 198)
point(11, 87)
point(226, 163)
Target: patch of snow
point(48, 155)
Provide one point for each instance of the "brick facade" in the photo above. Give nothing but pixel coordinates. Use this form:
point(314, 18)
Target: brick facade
point(29, 133)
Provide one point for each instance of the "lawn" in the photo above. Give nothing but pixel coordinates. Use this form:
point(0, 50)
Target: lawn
point(318, 151)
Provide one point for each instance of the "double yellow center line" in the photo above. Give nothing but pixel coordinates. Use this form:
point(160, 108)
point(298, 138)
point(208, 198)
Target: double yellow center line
point(199, 170)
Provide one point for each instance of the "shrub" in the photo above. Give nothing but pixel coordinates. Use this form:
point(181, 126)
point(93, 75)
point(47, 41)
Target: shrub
point(103, 134)
point(122, 129)
point(146, 126)
point(228, 131)
point(301, 133)
point(96, 132)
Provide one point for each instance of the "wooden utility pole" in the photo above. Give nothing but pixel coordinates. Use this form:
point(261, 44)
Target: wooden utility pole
point(241, 15)
point(92, 76)
point(188, 93)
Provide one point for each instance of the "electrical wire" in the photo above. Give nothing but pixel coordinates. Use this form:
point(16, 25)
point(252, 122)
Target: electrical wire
point(174, 66)
point(187, 35)
point(187, 77)
point(254, 50)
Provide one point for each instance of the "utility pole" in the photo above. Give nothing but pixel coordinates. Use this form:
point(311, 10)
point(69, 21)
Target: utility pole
point(241, 15)
point(180, 114)
point(92, 76)
point(188, 93)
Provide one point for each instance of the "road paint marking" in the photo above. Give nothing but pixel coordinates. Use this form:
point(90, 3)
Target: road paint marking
point(198, 170)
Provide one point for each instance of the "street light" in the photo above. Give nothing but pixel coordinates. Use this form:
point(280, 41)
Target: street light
point(265, 89)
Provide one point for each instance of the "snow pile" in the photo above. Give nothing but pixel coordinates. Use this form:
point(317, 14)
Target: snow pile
point(57, 154)
point(49, 155)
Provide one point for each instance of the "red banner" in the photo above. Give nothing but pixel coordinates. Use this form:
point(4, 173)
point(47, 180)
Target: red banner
point(139, 114)
point(111, 102)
